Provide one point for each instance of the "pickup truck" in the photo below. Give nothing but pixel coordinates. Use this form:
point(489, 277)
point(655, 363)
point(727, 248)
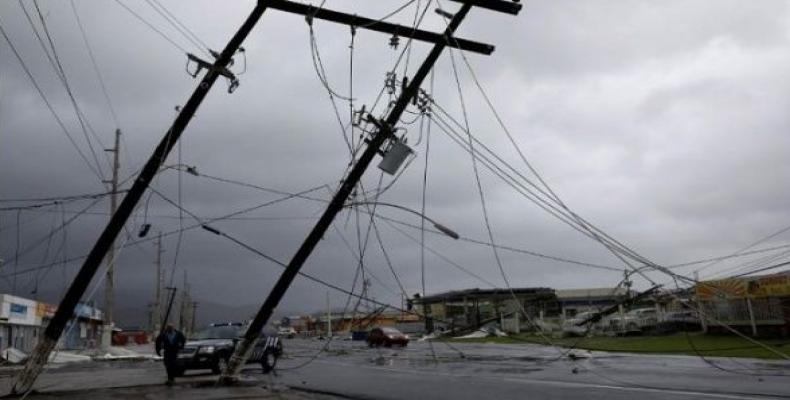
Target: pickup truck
point(212, 347)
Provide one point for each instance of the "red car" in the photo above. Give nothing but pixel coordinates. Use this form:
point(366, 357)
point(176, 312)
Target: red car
point(386, 336)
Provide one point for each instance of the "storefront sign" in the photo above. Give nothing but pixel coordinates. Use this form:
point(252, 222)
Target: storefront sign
point(18, 310)
point(734, 288)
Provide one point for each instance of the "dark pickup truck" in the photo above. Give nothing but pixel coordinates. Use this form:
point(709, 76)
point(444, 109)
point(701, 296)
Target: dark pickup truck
point(212, 347)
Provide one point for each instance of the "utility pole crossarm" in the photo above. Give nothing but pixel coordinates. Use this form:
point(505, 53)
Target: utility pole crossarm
point(508, 7)
point(379, 26)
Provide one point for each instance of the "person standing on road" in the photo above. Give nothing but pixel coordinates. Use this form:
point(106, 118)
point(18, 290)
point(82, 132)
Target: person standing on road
point(171, 341)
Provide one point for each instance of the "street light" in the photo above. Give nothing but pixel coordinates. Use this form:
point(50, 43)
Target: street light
point(190, 169)
point(447, 231)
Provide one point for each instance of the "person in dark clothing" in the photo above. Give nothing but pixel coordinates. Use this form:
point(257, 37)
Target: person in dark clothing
point(171, 341)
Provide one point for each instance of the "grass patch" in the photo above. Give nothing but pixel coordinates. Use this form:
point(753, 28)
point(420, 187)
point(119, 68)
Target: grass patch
point(680, 343)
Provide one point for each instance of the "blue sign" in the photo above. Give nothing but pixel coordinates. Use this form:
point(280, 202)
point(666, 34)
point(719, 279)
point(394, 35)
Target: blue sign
point(18, 310)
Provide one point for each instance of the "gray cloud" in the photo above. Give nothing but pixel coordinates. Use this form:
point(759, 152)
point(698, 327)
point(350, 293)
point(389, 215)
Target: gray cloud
point(665, 124)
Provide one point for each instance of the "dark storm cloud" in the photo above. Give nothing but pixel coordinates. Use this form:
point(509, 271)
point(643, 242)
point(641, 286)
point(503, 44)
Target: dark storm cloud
point(663, 123)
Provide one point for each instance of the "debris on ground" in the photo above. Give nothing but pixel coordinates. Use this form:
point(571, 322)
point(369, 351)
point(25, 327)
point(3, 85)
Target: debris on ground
point(430, 336)
point(114, 353)
point(14, 356)
point(482, 333)
point(62, 357)
point(579, 355)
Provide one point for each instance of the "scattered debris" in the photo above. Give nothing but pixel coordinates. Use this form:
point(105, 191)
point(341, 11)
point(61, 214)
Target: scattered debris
point(62, 357)
point(483, 332)
point(579, 355)
point(429, 336)
point(14, 356)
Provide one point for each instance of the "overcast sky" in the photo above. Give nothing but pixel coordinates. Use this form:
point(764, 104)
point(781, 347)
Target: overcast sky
point(663, 123)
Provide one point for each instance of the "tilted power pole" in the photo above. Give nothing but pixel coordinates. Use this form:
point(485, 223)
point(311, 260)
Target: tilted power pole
point(383, 132)
point(109, 282)
point(27, 377)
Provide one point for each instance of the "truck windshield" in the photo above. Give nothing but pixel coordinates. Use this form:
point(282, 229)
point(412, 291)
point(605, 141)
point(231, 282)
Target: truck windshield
point(219, 332)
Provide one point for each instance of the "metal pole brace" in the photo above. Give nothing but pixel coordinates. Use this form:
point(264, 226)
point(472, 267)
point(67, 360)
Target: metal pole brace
point(383, 127)
point(201, 64)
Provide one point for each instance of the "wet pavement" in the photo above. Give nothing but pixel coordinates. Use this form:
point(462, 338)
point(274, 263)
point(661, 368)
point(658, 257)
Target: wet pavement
point(477, 371)
point(425, 370)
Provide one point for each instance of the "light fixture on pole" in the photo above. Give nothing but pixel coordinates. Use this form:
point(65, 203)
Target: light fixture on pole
point(441, 228)
point(190, 169)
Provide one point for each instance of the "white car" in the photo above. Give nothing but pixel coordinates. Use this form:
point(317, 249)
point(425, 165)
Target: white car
point(286, 332)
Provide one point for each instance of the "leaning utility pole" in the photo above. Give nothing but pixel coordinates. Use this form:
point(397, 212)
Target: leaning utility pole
point(384, 131)
point(109, 283)
point(47, 341)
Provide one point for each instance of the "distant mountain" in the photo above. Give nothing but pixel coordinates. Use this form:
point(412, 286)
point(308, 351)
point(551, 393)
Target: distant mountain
point(207, 312)
point(132, 310)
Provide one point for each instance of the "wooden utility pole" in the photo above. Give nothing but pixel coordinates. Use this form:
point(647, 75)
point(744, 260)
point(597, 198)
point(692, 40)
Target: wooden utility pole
point(170, 301)
point(184, 309)
point(700, 307)
point(109, 283)
point(383, 132)
point(157, 310)
point(328, 318)
point(27, 377)
point(194, 317)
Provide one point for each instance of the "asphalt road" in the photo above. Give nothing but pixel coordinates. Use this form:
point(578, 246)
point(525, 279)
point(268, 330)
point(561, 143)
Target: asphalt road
point(421, 371)
point(483, 371)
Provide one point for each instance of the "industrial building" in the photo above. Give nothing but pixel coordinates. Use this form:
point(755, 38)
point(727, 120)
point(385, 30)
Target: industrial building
point(461, 309)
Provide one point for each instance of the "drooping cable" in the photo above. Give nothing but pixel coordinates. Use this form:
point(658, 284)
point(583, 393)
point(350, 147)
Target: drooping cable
point(84, 125)
point(179, 26)
point(52, 111)
point(95, 65)
point(153, 28)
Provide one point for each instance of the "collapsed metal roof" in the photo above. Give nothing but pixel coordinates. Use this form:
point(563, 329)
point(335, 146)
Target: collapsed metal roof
point(497, 293)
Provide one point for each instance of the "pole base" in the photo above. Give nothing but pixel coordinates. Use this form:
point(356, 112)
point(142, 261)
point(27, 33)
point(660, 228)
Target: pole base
point(106, 336)
point(27, 377)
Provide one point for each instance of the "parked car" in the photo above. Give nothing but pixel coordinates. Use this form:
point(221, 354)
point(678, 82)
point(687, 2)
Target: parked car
point(634, 321)
point(386, 336)
point(212, 347)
